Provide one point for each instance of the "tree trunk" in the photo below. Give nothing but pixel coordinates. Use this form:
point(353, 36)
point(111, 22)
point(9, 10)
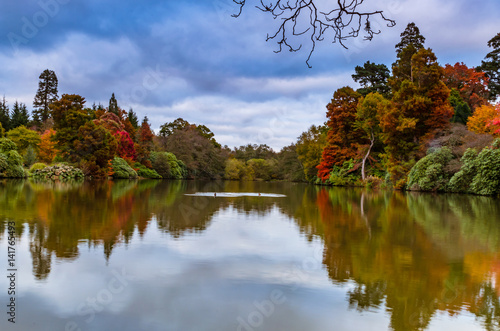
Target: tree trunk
point(372, 141)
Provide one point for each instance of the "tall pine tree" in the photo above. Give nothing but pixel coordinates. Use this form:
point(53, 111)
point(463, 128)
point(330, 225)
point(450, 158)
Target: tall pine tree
point(113, 106)
point(411, 42)
point(46, 95)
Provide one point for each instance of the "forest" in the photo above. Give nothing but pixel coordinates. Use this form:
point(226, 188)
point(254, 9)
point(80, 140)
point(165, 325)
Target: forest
point(419, 126)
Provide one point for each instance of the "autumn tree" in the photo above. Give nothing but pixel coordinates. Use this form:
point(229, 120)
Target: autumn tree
point(491, 67)
point(309, 148)
point(47, 148)
point(343, 137)
point(481, 120)
point(20, 115)
point(126, 147)
point(144, 142)
point(110, 121)
point(373, 78)
point(420, 107)
point(472, 84)
point(46, 95)
point(201, 157)
point(339, 22)
point(94, 147)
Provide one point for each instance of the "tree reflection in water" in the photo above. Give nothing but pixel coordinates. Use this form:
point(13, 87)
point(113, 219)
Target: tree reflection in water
point(414, 255)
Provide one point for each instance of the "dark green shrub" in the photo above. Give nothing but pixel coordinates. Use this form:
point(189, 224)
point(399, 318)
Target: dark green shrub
point(121, 169)
point(487, 178)
point(461, 180)
point(168, 166)
point(343, 176)
point(7, 145)
point(429, 173)
point(11, 164)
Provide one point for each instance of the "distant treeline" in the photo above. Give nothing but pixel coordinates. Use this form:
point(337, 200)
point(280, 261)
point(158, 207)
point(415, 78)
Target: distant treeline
point(420, 127)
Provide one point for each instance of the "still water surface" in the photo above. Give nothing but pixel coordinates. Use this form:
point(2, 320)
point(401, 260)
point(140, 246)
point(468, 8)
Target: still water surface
point(168, 255)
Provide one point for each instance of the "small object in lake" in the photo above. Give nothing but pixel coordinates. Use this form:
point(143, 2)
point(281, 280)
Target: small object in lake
point(259, 194)
point(215, 194)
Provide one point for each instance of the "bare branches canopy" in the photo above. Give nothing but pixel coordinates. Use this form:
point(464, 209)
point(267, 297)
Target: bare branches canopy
point(304, 18)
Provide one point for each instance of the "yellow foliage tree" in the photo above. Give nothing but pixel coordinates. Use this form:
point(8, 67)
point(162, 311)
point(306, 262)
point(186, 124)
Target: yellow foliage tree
point(480, 121)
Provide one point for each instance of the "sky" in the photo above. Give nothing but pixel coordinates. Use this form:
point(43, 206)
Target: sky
point(191, 59)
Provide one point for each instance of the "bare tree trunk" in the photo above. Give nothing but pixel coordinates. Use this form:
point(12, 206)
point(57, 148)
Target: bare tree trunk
point(372, 141)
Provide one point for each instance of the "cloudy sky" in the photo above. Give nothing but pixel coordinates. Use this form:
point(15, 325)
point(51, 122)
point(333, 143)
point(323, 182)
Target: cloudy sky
point(168, 59)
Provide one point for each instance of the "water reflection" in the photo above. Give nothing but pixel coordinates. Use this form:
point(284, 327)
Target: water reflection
point(413, 255)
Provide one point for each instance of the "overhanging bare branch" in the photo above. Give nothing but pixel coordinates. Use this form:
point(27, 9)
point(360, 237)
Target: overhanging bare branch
point(345, 17)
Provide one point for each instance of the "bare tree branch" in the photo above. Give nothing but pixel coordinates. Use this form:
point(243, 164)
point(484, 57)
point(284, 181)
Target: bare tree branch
point(346, 17)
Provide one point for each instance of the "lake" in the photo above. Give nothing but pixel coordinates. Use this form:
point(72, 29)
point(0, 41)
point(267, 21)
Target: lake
point(192, 255)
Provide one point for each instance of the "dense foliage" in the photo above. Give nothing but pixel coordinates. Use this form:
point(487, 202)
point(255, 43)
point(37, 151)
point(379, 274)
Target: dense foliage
point(415, 126)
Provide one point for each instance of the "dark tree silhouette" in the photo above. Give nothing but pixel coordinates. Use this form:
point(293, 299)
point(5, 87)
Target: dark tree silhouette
point(345, 16)
point(45, 96)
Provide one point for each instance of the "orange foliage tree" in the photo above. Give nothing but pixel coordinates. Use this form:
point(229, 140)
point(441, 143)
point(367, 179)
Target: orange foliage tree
point(144, 142)
point(47, 148)
point(420, 108)
point(343, 137)
point(485, 120)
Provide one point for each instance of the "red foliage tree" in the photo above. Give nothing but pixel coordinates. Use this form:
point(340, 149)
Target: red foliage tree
point(472, 84)
point(144, 142)
point(343, 137)
point(126, 149)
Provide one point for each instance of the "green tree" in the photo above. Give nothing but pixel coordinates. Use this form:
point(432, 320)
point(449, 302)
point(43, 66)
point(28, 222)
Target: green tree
point(373, 78)
point(368, 120)
point(23, 138)
point(309, 148)
point(30, 156)
point(4, 114)
point(45, 96)
point(2, 131)
point(462, 109)
point(69, 115)
point(113, 106)
point(234, 170)
point(288, 165)
point(491, 67)
point(410, 36)
point(170, 127)
point(132, 117)
point(411, 42)
point(20, 115)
